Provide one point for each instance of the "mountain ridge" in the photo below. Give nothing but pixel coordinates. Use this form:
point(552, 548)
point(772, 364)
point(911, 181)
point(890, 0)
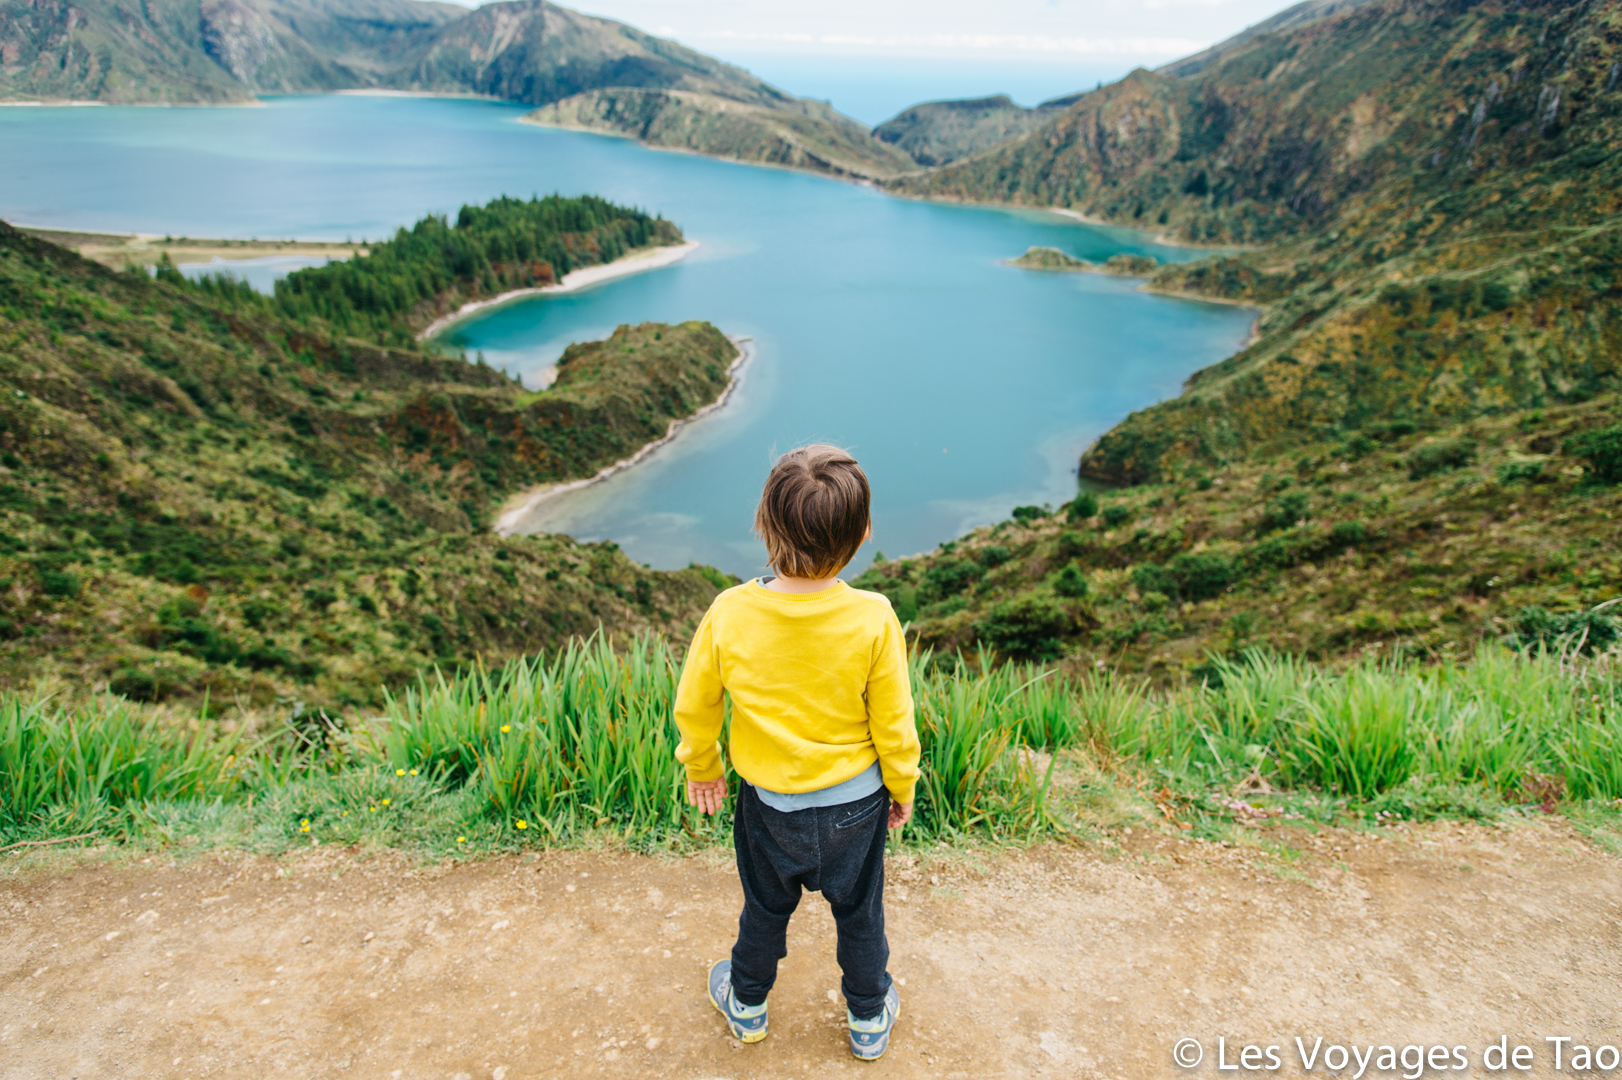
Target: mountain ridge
point(1404, 226)
point(526, 51)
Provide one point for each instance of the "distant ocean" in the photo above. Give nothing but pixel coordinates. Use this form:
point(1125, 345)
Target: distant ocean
point(874, 88)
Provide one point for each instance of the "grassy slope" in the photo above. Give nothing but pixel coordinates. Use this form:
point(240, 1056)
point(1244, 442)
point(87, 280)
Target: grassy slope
point(197, 499)
point(1438, 189)
point(1335, 551)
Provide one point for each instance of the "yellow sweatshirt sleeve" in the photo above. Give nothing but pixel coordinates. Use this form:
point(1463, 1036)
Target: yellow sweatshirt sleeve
point(889, 713)
point(701, 707)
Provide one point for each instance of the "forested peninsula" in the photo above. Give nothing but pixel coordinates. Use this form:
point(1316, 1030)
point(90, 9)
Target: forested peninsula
point(204, 491)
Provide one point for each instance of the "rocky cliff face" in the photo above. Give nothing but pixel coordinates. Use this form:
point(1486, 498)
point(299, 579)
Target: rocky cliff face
point(805, 135)
point(537, 53)
point(94, 50)
point(240, 38)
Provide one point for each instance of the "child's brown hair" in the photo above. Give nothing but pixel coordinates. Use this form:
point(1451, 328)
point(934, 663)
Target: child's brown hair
point(814, 511)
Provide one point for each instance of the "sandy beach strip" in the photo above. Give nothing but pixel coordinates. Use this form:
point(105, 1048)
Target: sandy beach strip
point(519, 508)
point(634, 263)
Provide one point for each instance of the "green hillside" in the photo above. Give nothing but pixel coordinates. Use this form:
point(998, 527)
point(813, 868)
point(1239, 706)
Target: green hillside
point(1437, 187)
point(1390, 541)
point(1420, 450)
point(198, 495)
point(941, 132)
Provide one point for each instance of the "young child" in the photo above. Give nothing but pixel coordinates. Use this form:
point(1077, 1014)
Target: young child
point(822, 738)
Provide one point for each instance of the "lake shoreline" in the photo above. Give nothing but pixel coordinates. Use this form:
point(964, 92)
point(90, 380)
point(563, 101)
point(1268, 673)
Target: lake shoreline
point(520, 506)
point(633, 263)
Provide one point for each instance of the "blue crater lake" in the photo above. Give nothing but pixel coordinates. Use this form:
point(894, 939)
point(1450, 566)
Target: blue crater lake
point(965, 386)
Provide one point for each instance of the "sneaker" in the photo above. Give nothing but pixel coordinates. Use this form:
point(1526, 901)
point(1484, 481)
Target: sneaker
point(869, 1039)
point(748, 1022)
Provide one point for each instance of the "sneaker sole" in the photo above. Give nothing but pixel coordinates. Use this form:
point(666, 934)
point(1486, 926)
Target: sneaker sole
point(741, 1036)
point(893, 1021)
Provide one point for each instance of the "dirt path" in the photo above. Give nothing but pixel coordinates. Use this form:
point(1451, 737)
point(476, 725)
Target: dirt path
point(1057, 962)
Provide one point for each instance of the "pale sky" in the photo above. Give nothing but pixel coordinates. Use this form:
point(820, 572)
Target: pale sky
point(1146, 31)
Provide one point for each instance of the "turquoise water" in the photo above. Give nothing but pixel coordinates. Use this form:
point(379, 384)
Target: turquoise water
point(965, 386)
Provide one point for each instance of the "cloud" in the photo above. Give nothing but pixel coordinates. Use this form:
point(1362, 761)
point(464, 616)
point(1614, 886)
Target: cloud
point(972, 43)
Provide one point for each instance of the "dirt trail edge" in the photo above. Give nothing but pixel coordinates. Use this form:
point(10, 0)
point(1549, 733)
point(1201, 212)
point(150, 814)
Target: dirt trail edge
point(1055, 962)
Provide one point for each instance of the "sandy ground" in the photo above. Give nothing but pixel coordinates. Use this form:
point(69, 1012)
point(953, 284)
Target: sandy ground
point(1056, 962)
point(634, 263)
point(119, 250)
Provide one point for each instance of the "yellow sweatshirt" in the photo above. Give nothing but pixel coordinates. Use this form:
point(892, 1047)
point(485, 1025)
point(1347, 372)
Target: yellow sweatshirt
point(819, 690)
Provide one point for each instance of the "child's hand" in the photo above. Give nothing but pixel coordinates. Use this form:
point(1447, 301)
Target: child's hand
point(707, 795)
point(900, 814)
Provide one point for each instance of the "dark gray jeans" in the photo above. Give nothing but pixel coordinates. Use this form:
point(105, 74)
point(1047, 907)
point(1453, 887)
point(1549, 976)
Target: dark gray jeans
point(835, 850)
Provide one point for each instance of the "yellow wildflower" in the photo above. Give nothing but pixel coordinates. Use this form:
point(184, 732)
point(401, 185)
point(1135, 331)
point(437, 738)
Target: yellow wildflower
point(385, 802)
point(413, 772)
point(461, 839)
point(399, 772)
point(523, 824)
point(506, 728)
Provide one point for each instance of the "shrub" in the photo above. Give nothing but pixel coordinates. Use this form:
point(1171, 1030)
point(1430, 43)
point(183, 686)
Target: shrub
point(1071, 582)
point(1026, 515)
point(1440, 457)
point(137, 685)
point(1115, 515)
point(1026, 628)
point(1071, 544)
point(1512, 472)
point(723, 580)
point(994, 555)
point(1601, 449)
point(1083, 507)
point(1585, 631)
point(59, 583)
point(943, 609)
point(1395, 429)
point(1347, 534)
point(905, 601)
point(1189, 576)
point(902, 595)
point(1283, 512)
point(1201, 576)
point(1496, 296)
point(1148, 578)
point(949, 577)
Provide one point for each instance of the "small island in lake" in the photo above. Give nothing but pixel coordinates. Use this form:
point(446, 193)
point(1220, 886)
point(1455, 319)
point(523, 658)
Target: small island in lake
point(1047, 258)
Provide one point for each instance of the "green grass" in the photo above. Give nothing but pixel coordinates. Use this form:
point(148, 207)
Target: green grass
point(578, 748)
